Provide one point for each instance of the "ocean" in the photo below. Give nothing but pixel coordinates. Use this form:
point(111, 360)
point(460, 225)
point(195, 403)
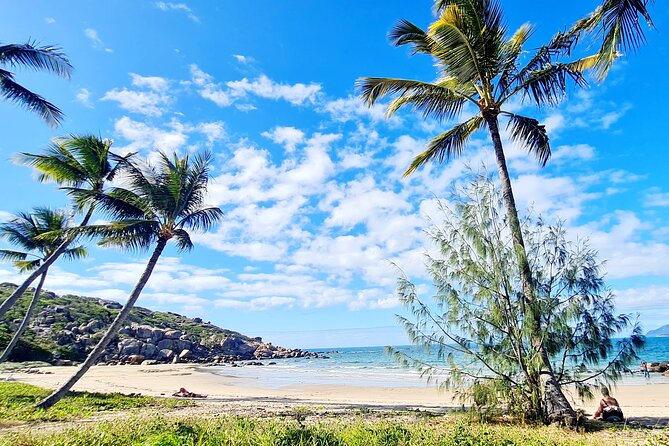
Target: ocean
point(373, 367)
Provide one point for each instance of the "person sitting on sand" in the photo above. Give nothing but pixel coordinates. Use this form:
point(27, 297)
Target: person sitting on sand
point(608, 410)
point(183, 393)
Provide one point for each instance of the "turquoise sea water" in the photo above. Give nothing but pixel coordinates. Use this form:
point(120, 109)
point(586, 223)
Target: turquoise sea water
point(373, 367)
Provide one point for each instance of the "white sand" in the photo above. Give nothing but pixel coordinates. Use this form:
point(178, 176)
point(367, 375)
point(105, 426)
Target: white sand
point(648, 401)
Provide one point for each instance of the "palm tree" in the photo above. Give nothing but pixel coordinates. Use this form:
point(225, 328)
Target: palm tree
point(42, 58)
point(24, 231)
point(159, 204)
point(479, 65)
point(77, 163)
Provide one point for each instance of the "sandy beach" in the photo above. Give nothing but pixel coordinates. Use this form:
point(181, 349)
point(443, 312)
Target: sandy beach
point(646, 402)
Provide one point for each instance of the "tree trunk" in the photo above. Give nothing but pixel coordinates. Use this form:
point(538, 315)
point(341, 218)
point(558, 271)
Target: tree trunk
point(25, 322)
point(11, 300)
point(112, 331)
point(555, 406)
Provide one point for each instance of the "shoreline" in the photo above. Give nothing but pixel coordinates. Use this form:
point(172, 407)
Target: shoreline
point(647, 402)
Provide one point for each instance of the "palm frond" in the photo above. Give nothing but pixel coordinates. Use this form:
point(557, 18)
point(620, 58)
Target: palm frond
point(15, 92)
point(530, 133)
point(27, 265)
point(617, 21)
point(447, 145)
point(44, 58)
point(510, 53)
point(183, 240)
point(405, 32)
point(549, 84)
point(202, 219)
point(12, 256)
point(448, 95)
point(78, 252)
point(453, 46)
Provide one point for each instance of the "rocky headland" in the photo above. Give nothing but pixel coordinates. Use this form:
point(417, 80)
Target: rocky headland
point(65, 328)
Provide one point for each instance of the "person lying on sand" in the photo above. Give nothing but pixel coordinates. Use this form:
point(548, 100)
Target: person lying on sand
point(183, 393)
point(608, 410)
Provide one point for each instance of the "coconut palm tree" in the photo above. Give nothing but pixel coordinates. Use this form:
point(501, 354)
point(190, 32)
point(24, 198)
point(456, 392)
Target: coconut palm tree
point(479, 65)
point(42, 58)
point(77, 163)
point(159, 204)
point(24, 231)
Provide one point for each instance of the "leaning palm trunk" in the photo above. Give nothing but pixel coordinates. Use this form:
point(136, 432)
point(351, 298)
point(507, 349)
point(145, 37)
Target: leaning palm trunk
point(553, 404)
point(24, 322)
point(111, 333)
point(11, 300)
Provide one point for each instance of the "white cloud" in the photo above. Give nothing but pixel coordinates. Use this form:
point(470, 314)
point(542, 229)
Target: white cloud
point(264, 87)
point(208, 89)
point(243, 59)
point(352, 108)
point(50, 20)
point(141, 136)
point(154, 83)
point(180, 7)
point(656, 198)
point(235, 91)
point(578, 152)
point(214, 131)
point(289, 137)
point(84, 97)
point(96, 42)
point(151, 100)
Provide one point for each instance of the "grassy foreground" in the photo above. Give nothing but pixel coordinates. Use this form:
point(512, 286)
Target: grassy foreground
point(21, 425)
point(17, 400)
point(356, 431)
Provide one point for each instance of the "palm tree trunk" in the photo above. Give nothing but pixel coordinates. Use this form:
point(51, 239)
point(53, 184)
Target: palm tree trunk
point(11, 300)
point(556, 407)
point(25, 322)
point(112, 331)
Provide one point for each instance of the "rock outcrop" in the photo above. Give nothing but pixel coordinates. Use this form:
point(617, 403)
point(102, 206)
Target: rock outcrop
point(66, 328)
point(143, 344)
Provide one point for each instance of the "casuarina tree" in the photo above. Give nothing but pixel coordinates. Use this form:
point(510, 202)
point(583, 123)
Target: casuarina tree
point(78, 164)
point(476, 321)
point(159, 204)
point(24, 231)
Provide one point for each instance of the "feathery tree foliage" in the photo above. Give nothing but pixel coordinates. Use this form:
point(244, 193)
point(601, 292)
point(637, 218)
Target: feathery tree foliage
point(78, 164)
point(157, 205)
point(24, 231)
point(479, 65)
point(477, 320)
point(41, 58)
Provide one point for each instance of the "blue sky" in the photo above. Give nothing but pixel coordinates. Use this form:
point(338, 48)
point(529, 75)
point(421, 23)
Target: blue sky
point(309, 178)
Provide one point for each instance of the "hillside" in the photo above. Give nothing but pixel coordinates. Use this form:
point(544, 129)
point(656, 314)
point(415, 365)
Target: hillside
point(659, 332)
point(65, 328)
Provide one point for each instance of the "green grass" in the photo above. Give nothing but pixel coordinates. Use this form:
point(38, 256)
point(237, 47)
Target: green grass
point(300, 426)
point(230, 430)
point(17, 400)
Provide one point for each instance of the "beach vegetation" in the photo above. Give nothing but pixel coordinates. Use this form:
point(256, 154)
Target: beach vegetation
point(23, 231)
point(478, 322)
point(47, 58)
point(17, 401)
point(346, 430)
point(159, 203)
point(483, 68)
